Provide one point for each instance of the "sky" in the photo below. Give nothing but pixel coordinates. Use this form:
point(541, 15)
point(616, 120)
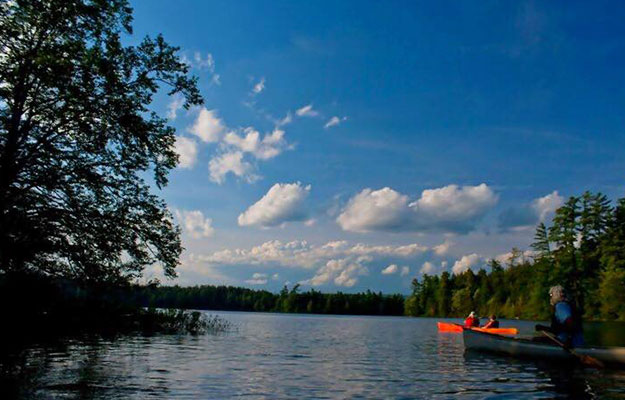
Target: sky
point(357, 145)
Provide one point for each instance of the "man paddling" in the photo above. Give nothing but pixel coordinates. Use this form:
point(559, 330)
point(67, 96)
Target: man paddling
point(565, 322)
point(472, 321)
point(492, 323)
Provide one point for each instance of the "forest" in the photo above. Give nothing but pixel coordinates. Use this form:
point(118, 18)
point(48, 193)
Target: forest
point(230, 298)
point(583, 249)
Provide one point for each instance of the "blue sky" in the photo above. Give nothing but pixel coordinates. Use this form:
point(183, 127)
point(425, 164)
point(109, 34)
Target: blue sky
point(341, 140)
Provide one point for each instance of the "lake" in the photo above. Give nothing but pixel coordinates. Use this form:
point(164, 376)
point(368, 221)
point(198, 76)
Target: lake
point(298, 356)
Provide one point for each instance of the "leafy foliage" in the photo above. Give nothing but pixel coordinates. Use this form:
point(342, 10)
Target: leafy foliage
point(77, 141)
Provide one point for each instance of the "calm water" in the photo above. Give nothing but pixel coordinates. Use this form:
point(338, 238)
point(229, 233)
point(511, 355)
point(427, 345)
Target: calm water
point(295, 356)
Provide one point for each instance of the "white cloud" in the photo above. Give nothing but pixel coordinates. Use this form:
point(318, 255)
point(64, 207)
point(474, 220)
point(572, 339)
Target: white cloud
point(343, 272)
point(195, 224)
point(546, 205)
point(506, 258)
point(257, 279)
point(335, 262)
point(307, 111)
point(233, 163)
point(203, 63)
point(391, 269)
point(258, 87)
point(400, 251)
point(448, 209)
point(465, 263)
point(187, 152)
point(526, 216)
point(452, 205)
point(428, 268)
point(334, 121)
point(207, 126)
point(442, 248)
point(305, 255)
point(271, 145)
point(383, 209)
point(283, 202)
point(275, 276)
point(206, 63)
point(174, 105)
point(288, 118)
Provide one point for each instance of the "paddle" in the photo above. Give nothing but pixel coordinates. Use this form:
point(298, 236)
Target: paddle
point(584, 359)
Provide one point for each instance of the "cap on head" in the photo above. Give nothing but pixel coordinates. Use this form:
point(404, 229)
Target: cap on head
point(472, 314)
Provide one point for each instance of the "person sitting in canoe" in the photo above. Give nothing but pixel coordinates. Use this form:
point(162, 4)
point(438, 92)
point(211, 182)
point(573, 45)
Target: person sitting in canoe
point(565, 322)
point(472, 320)
point(493, 322)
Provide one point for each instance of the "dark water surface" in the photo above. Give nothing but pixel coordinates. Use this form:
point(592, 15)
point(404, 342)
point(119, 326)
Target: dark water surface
point(298, 356)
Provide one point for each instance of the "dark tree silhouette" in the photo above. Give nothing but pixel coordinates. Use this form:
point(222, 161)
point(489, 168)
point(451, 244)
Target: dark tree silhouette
point(78, 141)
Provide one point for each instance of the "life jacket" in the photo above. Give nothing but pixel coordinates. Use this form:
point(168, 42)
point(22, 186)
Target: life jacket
point(569, 330)
point(471, 322)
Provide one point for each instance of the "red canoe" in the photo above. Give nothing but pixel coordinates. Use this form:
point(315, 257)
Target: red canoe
point(451, 327)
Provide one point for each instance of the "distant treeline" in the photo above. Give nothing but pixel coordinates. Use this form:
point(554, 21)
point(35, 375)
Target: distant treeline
point(583, 250)
point(207, 297)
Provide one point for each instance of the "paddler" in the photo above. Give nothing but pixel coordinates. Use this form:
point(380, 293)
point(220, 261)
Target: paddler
point(472, 320)
point(565, 321)
point(492, 322)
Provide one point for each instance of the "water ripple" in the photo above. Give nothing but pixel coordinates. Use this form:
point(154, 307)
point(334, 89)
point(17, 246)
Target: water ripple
point(291, 356)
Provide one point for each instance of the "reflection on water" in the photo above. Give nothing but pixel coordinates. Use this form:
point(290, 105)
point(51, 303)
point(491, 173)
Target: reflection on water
point(293, 356)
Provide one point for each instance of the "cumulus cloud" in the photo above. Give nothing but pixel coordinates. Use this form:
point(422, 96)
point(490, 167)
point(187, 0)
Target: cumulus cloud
point(448, 209)
point(428, 268)
point(284, 202)
point(453, 207)
point(187, 152)
point(391, 269)
point(195, 224)
point(508, 258)
point(337, 262)
point(334, 121)
point(269, 146)
point(257, 279)
point(465, 263)
point(305, 255)
point(343, 272)
point(207, 126)
point(547, 205)
point(174, 106)
point(237, 147)
point(307, 111)
point(528, 215)
point(233, 163)
point(442, 248)
point(372, 210)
